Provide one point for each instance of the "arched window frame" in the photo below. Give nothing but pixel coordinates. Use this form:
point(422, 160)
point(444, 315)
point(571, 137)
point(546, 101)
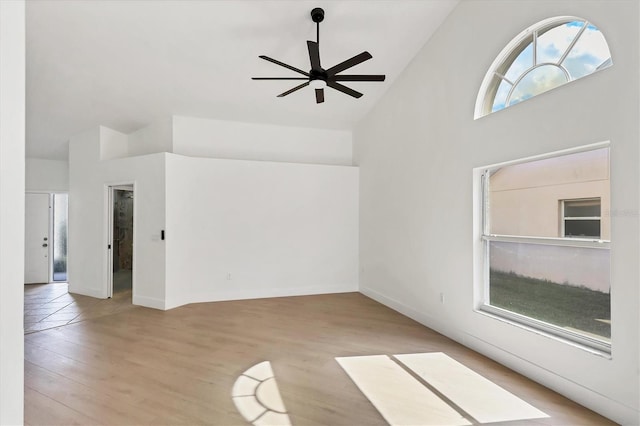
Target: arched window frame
point(502, 63)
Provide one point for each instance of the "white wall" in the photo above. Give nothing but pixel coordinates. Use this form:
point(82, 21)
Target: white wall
point(46, 175)
point(198, 137)
point(113, 145)
point(279, 229)
point(12, 169)
point(417, 150)
point(154, 138)
point(88, 180)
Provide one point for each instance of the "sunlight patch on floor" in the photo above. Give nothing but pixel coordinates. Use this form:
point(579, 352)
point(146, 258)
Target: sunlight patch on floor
point(256, 396)
point(412, 390)
point(481, 398)
point(399, 397)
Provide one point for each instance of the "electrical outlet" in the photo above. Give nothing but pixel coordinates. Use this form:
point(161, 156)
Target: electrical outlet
point(442, 298)
point(229, 276)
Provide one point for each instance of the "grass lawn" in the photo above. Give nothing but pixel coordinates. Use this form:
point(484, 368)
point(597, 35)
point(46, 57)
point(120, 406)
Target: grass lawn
point(557, 304)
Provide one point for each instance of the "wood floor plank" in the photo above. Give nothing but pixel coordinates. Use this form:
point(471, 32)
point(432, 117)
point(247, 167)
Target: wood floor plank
point(39, 409)
point(107, 409)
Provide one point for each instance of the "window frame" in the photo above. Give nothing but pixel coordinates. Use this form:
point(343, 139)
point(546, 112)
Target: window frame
point(482, 299)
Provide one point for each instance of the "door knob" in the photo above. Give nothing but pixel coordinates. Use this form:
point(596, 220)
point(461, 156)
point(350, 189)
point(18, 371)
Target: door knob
point(44, 245)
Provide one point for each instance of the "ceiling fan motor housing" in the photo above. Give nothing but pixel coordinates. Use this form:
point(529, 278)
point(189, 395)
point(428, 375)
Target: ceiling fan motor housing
point(318, 74)
point(317, 14)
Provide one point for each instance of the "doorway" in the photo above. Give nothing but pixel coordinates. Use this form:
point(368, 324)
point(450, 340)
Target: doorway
point(46, 216)
point(121, 240)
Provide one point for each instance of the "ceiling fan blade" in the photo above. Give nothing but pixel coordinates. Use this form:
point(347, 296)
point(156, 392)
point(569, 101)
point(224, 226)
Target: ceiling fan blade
point(344, 89)
point(352, 62)
point(293, 90)
point(319, 96)
point(282, 64)
point(357, 78)
point(314, 55)
point(279, 78)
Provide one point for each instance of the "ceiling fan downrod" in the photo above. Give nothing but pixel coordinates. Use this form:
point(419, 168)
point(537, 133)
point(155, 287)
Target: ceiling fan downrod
point(317, 16)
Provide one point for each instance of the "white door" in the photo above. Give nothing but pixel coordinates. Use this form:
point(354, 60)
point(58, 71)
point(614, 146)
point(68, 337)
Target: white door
point(37, 241)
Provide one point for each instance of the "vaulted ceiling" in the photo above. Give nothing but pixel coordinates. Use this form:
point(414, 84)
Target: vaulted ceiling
point(124, 64)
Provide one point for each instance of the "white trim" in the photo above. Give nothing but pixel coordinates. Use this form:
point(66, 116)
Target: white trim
point(561, 152)
point(149, 302)
point(86, 291)
point(109, 243)
point(240, 294)
point(595, 346)
point(550, 241)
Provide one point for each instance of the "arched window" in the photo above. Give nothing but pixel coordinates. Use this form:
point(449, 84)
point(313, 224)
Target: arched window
point(547, 55)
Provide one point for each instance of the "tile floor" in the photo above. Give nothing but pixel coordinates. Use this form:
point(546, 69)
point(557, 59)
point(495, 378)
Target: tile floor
point(51, 305)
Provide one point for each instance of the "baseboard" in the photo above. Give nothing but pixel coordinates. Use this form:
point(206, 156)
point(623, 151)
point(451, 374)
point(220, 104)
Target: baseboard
point(607, 407)
point(407, 311)
point(239, 294)
point(149, 302)
point(93, 292)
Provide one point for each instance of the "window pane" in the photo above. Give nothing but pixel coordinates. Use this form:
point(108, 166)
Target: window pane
point(582, 208)
point(568, 287)
point(590, 52)
point(500, 101)
point(60, 205)
point(526, 199)
point(552, 44)
point(522, 63)
point(538, 80)
point(582, 228)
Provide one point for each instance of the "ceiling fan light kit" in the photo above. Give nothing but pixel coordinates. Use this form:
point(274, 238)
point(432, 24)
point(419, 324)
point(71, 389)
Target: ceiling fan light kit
point(319, 78)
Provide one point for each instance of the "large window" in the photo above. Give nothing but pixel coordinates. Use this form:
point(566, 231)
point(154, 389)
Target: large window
point(543, 57)
point(541, 269)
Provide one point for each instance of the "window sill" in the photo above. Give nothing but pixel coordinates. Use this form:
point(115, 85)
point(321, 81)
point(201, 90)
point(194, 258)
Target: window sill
point(592, 346)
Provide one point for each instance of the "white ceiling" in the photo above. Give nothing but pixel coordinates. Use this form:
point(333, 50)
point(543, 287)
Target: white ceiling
point(123, 64)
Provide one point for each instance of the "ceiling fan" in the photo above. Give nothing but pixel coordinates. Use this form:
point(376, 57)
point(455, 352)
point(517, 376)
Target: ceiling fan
point(318, 77)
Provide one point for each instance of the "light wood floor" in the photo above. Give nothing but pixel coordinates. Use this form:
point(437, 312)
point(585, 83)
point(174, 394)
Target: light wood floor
point(143, 366)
